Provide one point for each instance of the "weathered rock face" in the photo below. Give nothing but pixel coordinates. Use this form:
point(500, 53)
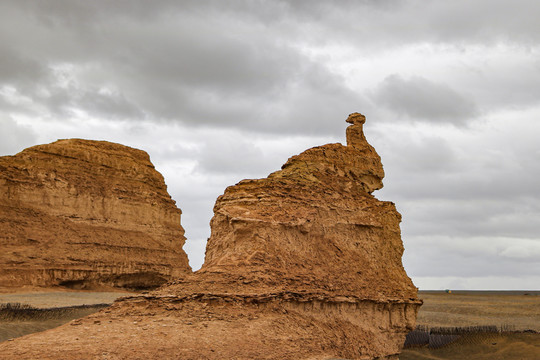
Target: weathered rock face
point(312, 227)
point(304, 264)
point(312, 242)
point(77, 212)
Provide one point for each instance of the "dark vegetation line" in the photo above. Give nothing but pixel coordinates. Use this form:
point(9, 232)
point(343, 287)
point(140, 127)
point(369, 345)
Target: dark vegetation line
point(436, 337)
point(22, 312)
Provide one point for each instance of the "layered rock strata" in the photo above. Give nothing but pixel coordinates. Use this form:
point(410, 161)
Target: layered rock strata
point(80, 213)
point(304, 264)
point(310, 240)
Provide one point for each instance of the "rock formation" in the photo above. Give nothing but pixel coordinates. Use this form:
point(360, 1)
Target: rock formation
point(304, 264)
point(79, 212)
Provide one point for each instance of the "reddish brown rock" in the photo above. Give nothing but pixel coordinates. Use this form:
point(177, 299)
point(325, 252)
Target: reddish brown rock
point(312, 228)
point(80, 213)
point(304, 264)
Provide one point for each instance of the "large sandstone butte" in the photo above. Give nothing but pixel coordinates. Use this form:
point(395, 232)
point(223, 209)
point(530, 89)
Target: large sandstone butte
point(304, 264)
point(80, 213)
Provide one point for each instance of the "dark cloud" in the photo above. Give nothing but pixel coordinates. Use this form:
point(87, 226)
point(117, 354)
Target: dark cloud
point(382, 22)
point(191, 66)
point(376, 24)
point(216, 91)
point(220, 64)
point(423, 100)
point(17, 69)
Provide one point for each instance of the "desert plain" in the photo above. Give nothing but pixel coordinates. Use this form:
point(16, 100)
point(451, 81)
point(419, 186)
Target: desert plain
point(516, 311)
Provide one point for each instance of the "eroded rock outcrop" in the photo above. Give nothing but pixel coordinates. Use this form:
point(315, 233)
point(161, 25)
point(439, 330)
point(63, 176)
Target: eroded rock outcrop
point(310, 240)
point(79, 212)
point(304, 264)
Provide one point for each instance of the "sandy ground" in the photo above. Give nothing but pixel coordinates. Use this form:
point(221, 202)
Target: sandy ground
point(52, 298)
point(515, 310)
point(440, 309)
point(494, 347)
point(480, 308)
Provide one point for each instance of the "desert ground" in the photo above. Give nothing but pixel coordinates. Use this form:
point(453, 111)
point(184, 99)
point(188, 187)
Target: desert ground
point(42, 309)
point(516, 311)
point(513, 346)
point(519, 309)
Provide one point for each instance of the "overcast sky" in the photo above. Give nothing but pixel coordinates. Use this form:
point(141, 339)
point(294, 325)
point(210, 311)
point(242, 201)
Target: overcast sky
point(218, 91)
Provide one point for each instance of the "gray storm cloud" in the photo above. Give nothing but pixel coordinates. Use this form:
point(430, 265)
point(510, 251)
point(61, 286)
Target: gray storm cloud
point(178, 64)
point(424, 100)
point(218, 91)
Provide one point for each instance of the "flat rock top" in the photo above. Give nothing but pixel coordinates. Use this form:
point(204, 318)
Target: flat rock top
point(90, 212)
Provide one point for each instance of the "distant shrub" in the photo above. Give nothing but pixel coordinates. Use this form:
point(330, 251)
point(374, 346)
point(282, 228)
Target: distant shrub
point(417, 338)
point(25, 312)
point(437, 337)
point(15, 306)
